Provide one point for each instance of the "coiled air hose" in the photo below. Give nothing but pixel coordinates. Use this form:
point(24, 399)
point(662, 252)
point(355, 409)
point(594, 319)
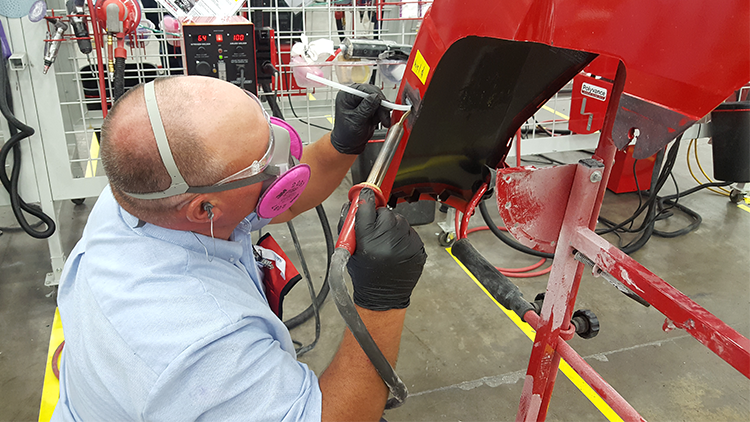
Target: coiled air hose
point(18, 132)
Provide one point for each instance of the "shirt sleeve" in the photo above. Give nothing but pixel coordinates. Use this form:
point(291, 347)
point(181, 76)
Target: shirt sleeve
point(239, 374)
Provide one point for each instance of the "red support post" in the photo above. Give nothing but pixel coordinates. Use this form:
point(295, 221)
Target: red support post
point(562, 289)
point(592, 378)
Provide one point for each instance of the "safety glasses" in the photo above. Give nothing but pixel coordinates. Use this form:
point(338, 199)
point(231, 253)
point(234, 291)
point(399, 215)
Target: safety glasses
point(254, 173)
point(258, 166)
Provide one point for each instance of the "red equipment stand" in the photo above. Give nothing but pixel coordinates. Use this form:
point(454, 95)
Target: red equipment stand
point(478, 72)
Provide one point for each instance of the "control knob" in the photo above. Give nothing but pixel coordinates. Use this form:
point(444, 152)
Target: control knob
point(203, 68)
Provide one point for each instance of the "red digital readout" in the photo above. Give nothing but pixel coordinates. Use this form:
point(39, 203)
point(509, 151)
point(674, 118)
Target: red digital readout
point(202, 38)
point(238, 37)
point(219, 38)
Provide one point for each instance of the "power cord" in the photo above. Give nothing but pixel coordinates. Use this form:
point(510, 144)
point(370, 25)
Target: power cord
point(289, 97)
point(657, 208)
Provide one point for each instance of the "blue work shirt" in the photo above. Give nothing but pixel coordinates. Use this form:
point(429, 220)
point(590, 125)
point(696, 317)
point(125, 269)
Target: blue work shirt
point(167, 325)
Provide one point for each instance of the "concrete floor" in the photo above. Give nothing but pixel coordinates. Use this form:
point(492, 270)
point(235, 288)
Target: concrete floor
point(461, 357)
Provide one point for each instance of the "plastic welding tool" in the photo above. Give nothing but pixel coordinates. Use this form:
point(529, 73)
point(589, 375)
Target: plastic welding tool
point(345, 247)
point(361, 48)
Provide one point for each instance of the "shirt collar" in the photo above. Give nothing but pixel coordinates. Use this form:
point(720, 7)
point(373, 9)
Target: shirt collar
point(228, 250)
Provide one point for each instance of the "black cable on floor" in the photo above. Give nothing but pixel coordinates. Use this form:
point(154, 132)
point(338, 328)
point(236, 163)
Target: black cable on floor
point(657, 208)
point(18, 132)
point(507, 239)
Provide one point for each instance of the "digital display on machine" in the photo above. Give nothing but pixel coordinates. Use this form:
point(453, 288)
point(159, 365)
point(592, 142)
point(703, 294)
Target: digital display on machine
point(238, 37)
point(202, 38)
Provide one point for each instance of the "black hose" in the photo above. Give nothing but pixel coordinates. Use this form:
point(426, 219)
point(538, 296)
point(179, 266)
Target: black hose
point(18, 132)
point(656, 183)
point(276, 110)
point(306, 271)
point(507, 239)
point(348, 312)
point(119, 85)
point(499, 286)
point(655, 186)
point(325, 288)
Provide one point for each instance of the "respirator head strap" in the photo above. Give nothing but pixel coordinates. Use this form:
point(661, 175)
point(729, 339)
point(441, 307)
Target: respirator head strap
point(259, 169)
point(178, 185)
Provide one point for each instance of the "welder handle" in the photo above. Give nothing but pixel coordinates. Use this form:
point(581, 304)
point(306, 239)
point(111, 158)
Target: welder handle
point(499, 286)
point(348, 312)
point(347, 238)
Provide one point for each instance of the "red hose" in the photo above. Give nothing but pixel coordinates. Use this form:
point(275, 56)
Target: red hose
point(505, 271)
point(462, 231)
point(523, 269)
point(99, 58)
point(529, 275)
point(56, 359)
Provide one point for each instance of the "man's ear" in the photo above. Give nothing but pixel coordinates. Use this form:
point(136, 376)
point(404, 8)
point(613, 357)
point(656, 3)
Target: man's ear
point(201, 210)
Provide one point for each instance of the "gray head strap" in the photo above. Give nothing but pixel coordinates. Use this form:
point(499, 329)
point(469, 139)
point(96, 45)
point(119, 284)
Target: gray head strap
point(178, 185)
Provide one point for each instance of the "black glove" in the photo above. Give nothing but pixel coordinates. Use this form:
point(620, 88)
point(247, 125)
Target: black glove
point(389, 257)
point(356, 118)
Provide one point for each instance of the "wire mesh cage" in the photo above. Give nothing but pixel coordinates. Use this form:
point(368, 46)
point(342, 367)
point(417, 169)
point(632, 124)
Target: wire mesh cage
point(85, 84)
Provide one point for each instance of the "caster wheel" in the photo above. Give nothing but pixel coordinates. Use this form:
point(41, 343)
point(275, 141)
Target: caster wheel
point(586, 323)
point(736, 196)
point(78, 201)
point(447, 239)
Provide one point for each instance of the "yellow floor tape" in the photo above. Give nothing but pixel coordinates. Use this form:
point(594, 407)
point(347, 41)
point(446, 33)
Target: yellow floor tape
point(555, 112)
point(572, 375)
point(51, 388)
point(745, 206)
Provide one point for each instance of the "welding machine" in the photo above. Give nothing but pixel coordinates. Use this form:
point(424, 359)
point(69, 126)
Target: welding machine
point(221, 47)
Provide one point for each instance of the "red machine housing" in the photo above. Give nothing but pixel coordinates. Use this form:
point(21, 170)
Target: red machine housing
point(478, 71)
point(664, 91)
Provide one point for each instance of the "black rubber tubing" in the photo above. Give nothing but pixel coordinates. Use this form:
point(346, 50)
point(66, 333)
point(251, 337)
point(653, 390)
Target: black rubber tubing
point(325, 288)
point(18, 131)
point(348, 312)
point(119, 84)
point(498, 285)
point(507, 239)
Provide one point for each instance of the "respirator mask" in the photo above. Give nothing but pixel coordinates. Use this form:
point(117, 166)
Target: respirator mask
point(279, 170)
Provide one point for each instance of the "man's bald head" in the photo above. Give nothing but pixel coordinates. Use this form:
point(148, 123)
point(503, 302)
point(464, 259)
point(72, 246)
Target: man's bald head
point(213, 129)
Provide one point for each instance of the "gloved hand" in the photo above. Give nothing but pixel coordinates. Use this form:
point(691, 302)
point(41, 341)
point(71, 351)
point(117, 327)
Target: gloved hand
point(389, 257)
point(356, 119)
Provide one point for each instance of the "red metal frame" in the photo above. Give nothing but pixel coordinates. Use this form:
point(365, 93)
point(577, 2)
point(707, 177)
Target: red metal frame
point(648, 39)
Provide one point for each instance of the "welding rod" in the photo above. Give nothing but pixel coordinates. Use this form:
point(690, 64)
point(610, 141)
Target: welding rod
point(353, 91)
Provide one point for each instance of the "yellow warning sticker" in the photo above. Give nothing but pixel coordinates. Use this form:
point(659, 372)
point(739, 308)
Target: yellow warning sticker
point(420, 67)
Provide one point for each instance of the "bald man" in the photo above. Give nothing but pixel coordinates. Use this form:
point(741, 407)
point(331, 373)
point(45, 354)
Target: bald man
point(162, 300)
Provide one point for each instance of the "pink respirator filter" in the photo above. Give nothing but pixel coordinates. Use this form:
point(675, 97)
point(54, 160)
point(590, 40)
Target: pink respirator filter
point(295, 144)
point(282, 193)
